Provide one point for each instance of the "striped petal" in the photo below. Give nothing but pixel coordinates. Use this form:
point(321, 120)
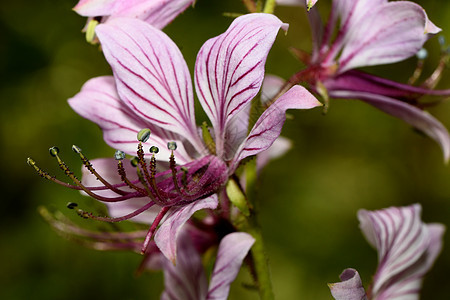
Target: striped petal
point(158, 13)
point(410, 114)
point(166, 236)
point(406, 246)
point(350, 288)
point(381, 32)
point(151, 75)
point(99, 102)
point(230, 69)
point(268, 127)
point(232, 250)
point(186, 279)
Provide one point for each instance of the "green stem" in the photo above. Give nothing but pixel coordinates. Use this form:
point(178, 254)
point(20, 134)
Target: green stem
point(260, 260)
point(261, 264)
point(269, 8)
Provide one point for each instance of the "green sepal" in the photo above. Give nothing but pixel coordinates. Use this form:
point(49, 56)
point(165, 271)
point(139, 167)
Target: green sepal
point(237, 197)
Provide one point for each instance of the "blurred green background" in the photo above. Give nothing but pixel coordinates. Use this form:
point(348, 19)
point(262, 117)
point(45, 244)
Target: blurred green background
point(354, 157)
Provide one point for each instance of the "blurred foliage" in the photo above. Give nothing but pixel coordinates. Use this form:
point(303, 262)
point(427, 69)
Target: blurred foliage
point(354, 157)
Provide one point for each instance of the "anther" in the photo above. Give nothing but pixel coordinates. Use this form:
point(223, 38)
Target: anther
point(143, 135)
point(71, 205)
point(119, 155)
point(134, 161)
point(172, 146)
point(76, 149)
point(154, 149)
point(422, 54)
point(53, 151)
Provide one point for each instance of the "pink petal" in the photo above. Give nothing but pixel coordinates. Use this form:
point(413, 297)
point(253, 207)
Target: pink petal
point(232, 250)
point(268, 127)
point(230, 69)
point(107, 168)
point(98, 101)
point(186, 280)
point(406, 248)
point(166, 236)
point(158, 13)
point(271, 85)
point(151, 75)
point(93, 8)
point(410, 114)
point(350, 288)
point(381, 33)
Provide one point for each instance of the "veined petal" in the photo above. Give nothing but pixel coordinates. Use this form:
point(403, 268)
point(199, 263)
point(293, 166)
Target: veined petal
point(268, 127)
point(158, 13)
point(406, 248)
point(93, 8)
point(107, 168)
point(166, 236)
point(151, 75)
point(350, 288)
point(410, 114)
point(99, 102)
point(232, 250)
point(186, 280)
point(385, 33)
point(230, 68)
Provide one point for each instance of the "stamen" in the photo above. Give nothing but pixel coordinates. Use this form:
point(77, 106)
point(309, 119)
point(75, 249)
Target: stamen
point(145, 178)
point(89, 215)
point(91, 169)
point(45, 175)
point(152, 229)
point(173, 146)
point(123, 177)
point(54, 152)
point(421, 56)
point(160, 195)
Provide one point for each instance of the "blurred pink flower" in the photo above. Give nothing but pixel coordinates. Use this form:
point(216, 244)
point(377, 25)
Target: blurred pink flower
point(407, 249)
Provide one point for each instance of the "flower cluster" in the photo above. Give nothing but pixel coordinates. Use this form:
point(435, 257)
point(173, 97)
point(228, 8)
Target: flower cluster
point(190, 187)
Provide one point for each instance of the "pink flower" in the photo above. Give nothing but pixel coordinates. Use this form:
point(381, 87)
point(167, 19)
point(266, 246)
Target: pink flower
point(407, 249)
point(372, 33)
point(151, 88)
